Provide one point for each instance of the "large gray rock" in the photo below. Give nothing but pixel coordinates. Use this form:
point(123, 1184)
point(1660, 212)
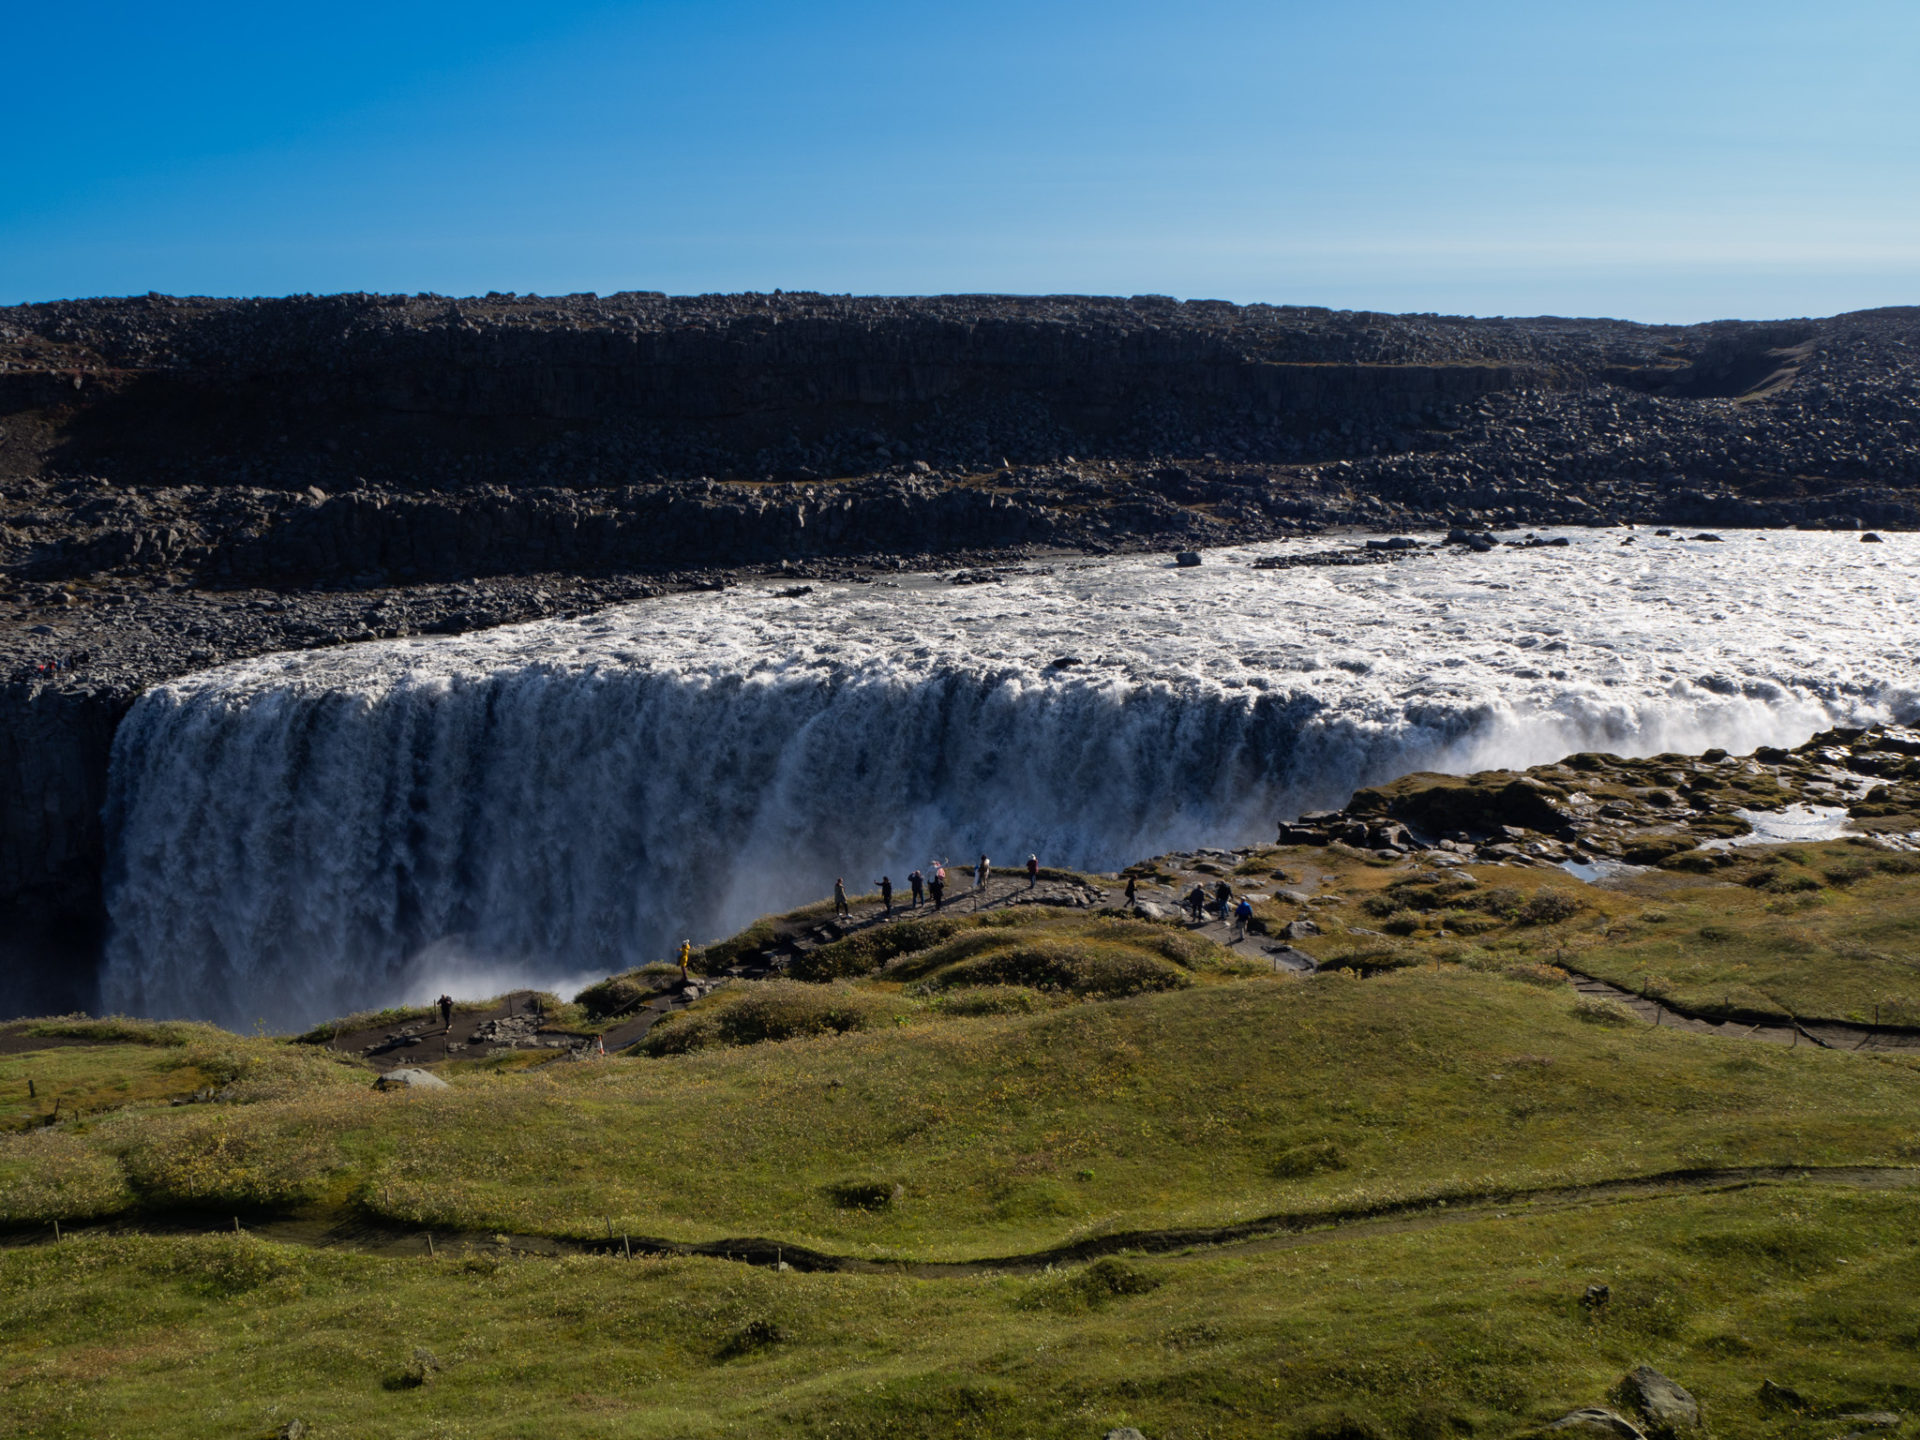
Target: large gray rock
point(1596, 1421)
point(1667, 1406)
point(409, 1078)
point(1125, 1432)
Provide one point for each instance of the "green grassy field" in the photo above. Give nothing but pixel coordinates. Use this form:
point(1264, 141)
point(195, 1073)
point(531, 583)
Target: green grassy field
point(1820, 931)
point(1470, 1327)
point(1403, 1137)
point(1014, 1133)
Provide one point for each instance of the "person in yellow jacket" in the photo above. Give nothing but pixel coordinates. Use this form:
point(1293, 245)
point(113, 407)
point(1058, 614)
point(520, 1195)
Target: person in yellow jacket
point(686, 959)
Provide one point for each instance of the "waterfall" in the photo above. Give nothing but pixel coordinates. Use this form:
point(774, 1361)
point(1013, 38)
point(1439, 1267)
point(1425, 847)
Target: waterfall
point(303, 836)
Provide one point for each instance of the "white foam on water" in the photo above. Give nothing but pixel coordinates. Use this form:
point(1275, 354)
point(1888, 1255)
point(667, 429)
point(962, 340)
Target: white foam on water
point(1788, 824)
point(293, 836)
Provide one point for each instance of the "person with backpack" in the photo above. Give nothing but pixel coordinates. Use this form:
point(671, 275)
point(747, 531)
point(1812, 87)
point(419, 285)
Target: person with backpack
point(1033, 871)
point(886, 894)
point(1242, 917)
point(937, 887)
point(841, 909)
point(918, 884)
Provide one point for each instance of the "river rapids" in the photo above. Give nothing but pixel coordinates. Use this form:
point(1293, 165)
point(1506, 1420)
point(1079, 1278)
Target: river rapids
point(310, 833)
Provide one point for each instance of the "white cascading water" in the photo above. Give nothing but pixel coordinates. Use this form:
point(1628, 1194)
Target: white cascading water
point(307, 834)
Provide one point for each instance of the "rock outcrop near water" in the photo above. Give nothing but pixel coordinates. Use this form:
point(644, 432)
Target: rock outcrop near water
point(188, 481)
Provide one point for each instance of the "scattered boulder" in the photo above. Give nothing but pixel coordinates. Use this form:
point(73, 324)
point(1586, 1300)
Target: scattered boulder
point(1870, 539)
point(1487, 803)
point(758, 1333)
point(1773, 1396)
point(1187, 559)
point(409, 1078)
point(418, 1371)
point(866, 1194)
point(1124, 1432)
point(1596, 1421)
point(1666, 1406)
point(1596, 1296)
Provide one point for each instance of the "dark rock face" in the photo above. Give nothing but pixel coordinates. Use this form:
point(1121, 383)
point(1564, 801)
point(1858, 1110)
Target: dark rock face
point(427, 438)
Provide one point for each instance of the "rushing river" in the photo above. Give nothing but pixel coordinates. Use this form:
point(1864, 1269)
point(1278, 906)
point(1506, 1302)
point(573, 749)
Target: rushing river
point(309, 833)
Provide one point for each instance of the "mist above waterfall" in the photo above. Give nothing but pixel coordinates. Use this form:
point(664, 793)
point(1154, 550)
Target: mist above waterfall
point(305, 834)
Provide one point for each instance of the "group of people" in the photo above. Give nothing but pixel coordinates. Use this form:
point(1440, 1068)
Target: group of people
point(932, 886)
point(929, 886)
point(1221, 903)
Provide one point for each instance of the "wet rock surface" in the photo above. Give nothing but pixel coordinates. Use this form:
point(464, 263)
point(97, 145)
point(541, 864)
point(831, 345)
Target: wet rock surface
point(1675, 811)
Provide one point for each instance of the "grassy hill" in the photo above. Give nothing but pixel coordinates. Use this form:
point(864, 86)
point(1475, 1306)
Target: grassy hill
point(1038, 1172)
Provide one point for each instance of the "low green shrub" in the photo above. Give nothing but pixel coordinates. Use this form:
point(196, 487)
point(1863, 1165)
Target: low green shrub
point(122, 1029)
point(1549, 907)
point(1531, 973)
point(618, 993)
point(771, 1010)
point(1078, 966)
point(865, 1194)
point(867, 951)
point(1602, 1012)
point(991, 1000)
point(1312, 1157)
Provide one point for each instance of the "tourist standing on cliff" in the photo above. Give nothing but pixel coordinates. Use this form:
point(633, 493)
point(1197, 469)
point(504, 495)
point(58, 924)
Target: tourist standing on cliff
point(446, 1012)
point(1223, 898)
point(840, 906)
point(918, 883)
point(982, 872)
point(1133, 891)
point(886, 893)
point(1242, 917)
point(937, 886)
point(1033, 871)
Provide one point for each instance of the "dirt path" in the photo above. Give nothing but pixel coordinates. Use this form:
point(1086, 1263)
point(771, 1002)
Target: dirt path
point(1827, 1034)
point(427, 1042)
point(1281, 1231)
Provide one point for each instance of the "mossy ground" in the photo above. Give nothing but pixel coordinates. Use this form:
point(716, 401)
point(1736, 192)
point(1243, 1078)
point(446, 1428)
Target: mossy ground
point(998, 1097)
point(1821, 931)
point(1475, 1327)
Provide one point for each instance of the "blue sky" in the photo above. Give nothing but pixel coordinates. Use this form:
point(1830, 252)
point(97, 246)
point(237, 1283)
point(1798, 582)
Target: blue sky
point(1674, 161)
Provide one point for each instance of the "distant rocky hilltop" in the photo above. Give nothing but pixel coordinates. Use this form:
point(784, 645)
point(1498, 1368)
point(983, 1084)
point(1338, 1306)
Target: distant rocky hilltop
point(373, 439)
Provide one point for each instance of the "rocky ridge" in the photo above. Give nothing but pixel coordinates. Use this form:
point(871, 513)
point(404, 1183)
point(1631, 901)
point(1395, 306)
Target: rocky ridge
point(1673, 811)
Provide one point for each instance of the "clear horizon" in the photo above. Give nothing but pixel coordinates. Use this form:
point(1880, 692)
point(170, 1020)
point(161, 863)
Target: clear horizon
point(1640, 162)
